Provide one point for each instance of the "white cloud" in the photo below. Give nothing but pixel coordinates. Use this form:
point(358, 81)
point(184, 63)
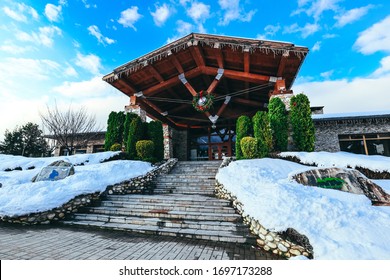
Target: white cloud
point(10, 47)
point(20, 11)
point(348, 96)
point(316, 47)
point(385, 67)
point(94, 31)
point(44, 37)
point(35, 69)
point(307, 30)
point(87, 5)
point(129, 17)
point(329, 36)
point(352, 15)
point(234, 11)
point(270, 31)
point(52, 12)
point(316, 8)
point(161, 15)
point(70, 71)
point(326, 75)
point(94, 87)
point(199, 12)
point(374, 39)
point(90, 63)
point(182, 28)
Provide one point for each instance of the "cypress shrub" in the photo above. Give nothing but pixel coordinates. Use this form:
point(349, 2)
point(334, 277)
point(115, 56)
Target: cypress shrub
point(262, 133)
point(302, 123)
point(145, 150)
point(249, 147)
point(155, 133)
point(110, 133)
point(126, 126)
point(278, 119)
point(243, 128)
point(136, 133)
point(120, 123)
point(116, 147)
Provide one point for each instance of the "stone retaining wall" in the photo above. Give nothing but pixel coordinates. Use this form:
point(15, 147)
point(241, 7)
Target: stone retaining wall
point(140, 184)
point(267, 240)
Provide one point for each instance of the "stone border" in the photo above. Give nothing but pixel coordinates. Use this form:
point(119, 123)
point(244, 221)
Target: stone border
point(140, 184)
point(267, 240)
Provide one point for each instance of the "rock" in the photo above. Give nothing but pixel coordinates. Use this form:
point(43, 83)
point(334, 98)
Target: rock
point(272, 245)
point(269, 238)
point(57, 170)
point(282, 248)
point(299, 239)
point(354, 182)
point(295, 252)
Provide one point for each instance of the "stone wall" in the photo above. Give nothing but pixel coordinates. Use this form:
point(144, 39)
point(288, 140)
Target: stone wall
point(140, 184)
point(327, 131)
point(278, 243)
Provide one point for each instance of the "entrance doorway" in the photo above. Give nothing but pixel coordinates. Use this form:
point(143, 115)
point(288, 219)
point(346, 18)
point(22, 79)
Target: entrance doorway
point(213, 145)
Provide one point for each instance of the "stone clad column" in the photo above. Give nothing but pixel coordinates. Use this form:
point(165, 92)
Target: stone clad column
point(168, 146)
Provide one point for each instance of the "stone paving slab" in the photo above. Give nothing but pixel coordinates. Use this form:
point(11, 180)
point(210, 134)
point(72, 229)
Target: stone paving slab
point(68, 243)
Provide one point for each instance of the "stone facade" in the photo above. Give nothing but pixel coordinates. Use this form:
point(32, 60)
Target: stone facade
point(168, 147)
point(180, 144)
point(327, 130)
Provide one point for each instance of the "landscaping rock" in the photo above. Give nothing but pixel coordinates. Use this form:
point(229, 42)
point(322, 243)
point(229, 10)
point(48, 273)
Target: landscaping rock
point(354, 182)
point(57, 170)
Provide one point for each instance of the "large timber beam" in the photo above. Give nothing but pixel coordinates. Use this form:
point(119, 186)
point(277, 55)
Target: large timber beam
point(282, 63)
point(241, 76)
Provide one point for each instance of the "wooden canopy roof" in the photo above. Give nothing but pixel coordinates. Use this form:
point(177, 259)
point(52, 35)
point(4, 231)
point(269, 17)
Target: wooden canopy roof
point(239, 72)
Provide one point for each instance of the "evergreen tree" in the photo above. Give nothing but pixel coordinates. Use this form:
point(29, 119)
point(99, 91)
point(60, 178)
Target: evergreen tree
point(115, 129)
point(278, 118)
point(136, 133)
point(262, 133)
point(155, 133)
point(128, 119)
point(25, 141)
point(302, 123)
point(243, 128)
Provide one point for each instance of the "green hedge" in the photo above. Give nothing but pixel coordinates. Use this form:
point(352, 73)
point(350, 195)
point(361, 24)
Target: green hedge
point(302, 123)
point(243, 129)
point(116, 147)
point(126, 126)
point(155, 133)
point(278, 119)
point(249, 147)
point(136, 133)
point(115, 127)
point(145, 150)
point(262, 133)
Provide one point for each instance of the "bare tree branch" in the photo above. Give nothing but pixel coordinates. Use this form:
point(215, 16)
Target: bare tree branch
point(70, 128)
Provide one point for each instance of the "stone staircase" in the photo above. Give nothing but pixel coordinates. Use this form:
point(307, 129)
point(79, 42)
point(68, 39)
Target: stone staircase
point(183, 204)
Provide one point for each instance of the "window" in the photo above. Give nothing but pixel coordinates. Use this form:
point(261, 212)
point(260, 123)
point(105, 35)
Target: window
point(369, 144)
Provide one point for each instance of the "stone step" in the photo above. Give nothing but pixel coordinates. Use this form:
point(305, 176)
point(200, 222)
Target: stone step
point(169, 206)
point(164, 213)
point(173, 198)
point(185, 186)
point(165, 223)
point(183, 192)
point(214, 235)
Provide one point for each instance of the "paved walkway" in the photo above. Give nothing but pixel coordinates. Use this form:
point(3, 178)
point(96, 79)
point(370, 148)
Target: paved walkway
point(67, 243)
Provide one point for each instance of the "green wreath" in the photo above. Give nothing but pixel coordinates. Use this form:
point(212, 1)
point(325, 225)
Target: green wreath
point(203, 101)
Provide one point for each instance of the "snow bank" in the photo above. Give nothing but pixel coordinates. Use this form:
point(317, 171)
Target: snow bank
point(12, 162)
point(339, 225)
point(19, 196)
point(342, 159)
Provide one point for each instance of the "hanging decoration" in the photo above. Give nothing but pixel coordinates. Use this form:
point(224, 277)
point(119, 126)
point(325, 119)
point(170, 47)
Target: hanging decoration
point(203, 101)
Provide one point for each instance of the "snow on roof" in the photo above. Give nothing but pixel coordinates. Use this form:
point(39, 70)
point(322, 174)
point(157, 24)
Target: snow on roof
point(351, 115)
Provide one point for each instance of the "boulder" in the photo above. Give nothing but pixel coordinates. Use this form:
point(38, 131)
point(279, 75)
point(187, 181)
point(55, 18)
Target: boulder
point(57, 170)
point(353, 182)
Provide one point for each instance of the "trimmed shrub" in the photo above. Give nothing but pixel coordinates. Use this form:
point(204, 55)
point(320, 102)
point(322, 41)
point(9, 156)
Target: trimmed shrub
point(155, 133)
point(330, 183)
point(114, 133)
point(136, 133)
point(243, 128)
point(262, 133)
point(145, 149)
point(302, 123)
point(116, 147)
point(278, 119)
point(249, 147)
point(126, 126)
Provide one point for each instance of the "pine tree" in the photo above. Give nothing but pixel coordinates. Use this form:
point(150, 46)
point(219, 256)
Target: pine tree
point(136, 133)
point(302, 123)
point(278, 118)
point(243, 128)
point(128, 119)
point(262, 133)
point(155, 133)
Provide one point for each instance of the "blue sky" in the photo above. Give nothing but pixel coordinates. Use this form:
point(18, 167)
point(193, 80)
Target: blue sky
point(58, 51)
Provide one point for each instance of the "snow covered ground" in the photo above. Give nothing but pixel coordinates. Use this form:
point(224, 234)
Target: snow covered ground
point(19, 196)
point(339, 225)
point(342, 159)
